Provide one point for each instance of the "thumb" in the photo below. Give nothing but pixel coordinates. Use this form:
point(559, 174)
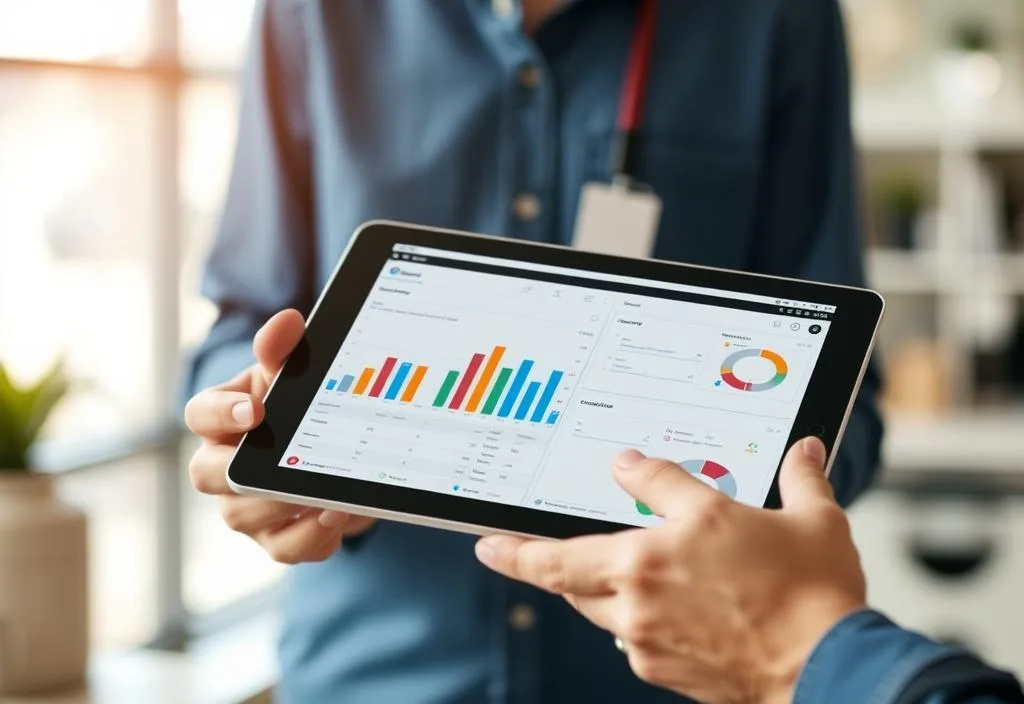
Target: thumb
point(276, 340)
point(661, 485)
point(802, 481)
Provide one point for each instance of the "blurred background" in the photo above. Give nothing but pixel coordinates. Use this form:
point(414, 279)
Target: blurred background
point(116, 131)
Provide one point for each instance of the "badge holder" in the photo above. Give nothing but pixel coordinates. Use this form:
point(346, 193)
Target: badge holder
point(621, 218)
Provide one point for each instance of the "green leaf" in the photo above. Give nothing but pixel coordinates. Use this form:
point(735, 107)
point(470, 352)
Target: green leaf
point(24, 411)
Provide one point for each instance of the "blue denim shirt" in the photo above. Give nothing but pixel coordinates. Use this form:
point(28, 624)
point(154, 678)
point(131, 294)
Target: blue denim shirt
point(421, 111)
point(867, 659)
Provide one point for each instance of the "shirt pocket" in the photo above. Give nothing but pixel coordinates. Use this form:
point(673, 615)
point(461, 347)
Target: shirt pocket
point(708, 191)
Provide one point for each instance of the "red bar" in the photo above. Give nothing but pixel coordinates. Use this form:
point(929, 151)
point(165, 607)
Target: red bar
point(467, 380)
point(382, 378)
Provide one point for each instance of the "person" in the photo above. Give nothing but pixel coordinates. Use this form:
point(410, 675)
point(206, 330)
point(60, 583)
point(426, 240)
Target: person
point(490, 116)
point(729, 603)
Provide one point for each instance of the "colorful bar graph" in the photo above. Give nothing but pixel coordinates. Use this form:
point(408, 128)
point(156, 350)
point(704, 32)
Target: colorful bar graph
point(545, 398)
point(517, 385)
point(364, 381)
point(483, 386)
point(414, 384)
point(446, 388)
point(396, 385)
point(467, 379)
point(382, 378)
point(499, 386)
point(485, 379)
point(524, 407)
point(331, 383)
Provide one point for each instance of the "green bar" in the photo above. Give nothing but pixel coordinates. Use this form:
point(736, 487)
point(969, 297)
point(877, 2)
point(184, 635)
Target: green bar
point(499, 386)
point(446, 388)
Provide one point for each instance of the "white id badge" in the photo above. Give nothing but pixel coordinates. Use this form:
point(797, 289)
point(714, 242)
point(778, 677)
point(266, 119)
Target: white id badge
point(616, 220)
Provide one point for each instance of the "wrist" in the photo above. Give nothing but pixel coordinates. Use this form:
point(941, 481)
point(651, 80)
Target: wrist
point(799, 637)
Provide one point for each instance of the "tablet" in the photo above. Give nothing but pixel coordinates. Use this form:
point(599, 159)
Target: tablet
point(485, 384)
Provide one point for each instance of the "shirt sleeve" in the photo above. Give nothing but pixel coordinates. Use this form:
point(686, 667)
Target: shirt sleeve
point(867, 658)
point(262, 257)
point(809, 215)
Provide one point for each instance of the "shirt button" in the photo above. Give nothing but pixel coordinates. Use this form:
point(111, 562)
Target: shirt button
point(501, 8)
point(522, 617)
point(526, 206)
point(529, 76)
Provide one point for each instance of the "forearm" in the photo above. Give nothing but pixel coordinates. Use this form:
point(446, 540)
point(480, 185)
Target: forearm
point(867, 658)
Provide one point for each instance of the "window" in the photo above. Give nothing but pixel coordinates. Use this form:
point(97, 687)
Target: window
point(117, 125)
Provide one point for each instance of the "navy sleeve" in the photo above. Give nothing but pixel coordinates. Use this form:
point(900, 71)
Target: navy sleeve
point(867, 658)
point(262, 258)
point(808, 218)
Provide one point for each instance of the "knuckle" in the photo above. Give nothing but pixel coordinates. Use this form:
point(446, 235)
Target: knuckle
point(549, 570)
point(280, 553)
point(196, 475)
point(709, 515)
point(234, 515)
point(646, 668)
point(640, 628)
point(642, 567)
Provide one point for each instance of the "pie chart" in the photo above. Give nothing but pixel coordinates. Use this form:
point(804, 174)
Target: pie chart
point(720, 477)
point(729, 365)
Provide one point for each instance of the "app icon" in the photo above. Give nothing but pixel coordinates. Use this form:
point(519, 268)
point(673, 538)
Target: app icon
point(382, 475)
point(395, 271)
point(814, 329)
point(455, 488)
point(537, 502)
point(293, 460)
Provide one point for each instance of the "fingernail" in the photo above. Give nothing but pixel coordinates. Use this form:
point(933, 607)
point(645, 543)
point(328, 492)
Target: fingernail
point(242, 413)
point(628, 459)
point(485, 551)
point(814, 450)
point(332, 519)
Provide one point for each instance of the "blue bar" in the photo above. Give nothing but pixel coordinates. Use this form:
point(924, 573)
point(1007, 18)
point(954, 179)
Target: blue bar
point(346, 383)
point(545, 398)
point(517, 385)
point(553, 417)
point(396, 385)
point(531, 393)
point(331, 383)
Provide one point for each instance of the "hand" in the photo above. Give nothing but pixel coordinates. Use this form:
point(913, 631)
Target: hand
point(722, 602)
point(220, 415)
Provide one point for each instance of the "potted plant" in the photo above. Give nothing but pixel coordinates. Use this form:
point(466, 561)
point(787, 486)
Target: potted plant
point(902, 202)
point(43, 583)
point(968, 71)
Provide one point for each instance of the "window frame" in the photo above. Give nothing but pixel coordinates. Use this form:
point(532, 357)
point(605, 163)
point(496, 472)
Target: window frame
point(166, 72)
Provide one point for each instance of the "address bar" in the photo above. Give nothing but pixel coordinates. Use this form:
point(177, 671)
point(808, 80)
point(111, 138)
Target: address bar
point(582, 274)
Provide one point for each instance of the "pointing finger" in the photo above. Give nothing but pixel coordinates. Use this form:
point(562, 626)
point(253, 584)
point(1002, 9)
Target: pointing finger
point(577, 566)
point(663, 486)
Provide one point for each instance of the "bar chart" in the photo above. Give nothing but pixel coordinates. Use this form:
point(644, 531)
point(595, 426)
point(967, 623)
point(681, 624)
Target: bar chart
point(483, 386)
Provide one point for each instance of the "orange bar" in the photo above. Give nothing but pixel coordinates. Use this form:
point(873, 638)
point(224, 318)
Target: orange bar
point(485, 379)
point(364, 381)
point(414, 384)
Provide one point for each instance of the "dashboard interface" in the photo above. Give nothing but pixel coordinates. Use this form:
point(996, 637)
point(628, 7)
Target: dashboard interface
point(518, 383)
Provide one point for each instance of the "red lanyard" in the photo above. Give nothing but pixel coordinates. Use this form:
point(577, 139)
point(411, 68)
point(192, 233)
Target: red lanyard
point(634, 86)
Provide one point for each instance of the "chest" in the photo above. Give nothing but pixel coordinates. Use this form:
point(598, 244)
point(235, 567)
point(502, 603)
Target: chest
point(444, 115)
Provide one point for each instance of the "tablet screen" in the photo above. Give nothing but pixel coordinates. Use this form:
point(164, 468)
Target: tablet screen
point(518, 383)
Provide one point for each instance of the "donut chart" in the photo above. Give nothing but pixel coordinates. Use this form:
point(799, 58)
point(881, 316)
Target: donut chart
point(720, 476)
point(730, 378)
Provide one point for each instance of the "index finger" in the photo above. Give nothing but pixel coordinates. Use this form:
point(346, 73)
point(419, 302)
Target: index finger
point(578, 566)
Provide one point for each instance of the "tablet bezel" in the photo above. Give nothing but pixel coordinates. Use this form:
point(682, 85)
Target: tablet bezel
point(824, 411)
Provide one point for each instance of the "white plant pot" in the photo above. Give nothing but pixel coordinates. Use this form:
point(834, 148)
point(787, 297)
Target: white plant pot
point(967, 82)
point(44, 635)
